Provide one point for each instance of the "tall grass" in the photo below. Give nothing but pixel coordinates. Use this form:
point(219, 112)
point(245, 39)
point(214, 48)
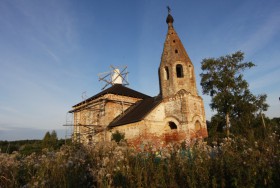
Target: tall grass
point(233, 162)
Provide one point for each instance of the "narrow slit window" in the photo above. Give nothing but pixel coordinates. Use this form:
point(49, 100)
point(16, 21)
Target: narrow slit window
point(166, 70)
point(191, 71)
point(179, 71)
point(176, 51)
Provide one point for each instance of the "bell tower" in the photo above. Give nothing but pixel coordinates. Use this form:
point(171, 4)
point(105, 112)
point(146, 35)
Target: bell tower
point(176, 71)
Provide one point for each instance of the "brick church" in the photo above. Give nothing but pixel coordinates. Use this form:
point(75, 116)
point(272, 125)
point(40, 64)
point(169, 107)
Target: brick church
point(175, 115)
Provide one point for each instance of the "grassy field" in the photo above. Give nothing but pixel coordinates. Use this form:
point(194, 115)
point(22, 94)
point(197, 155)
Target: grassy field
point(229, 162)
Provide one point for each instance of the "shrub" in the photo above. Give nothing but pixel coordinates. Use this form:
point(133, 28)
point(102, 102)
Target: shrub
point(117, 136)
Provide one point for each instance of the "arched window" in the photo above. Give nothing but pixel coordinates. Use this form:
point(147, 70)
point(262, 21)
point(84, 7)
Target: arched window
point(179, 71)
point(166, 73)
point(197, 126)
point(172, 125)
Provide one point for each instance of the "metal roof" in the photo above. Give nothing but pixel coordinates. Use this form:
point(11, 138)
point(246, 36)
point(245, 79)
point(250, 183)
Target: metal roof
point(117, 89)
point(137, 112)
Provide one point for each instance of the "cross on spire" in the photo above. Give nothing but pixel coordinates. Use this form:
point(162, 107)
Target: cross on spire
point(168, 9)
point(169, 19)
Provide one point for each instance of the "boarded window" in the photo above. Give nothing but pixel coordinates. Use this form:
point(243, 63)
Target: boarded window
point(179, 71)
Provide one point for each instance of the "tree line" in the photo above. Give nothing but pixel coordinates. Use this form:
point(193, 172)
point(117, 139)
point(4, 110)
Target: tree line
point(26, 147)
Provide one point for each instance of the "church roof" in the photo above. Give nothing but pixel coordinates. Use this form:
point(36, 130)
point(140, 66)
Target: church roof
point(137, 112)
point(117, 89)
point(173, 50)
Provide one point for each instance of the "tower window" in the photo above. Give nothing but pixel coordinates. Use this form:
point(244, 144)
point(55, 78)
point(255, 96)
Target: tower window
point(172, 125)
point(179, 71)
point(173, 41)
point(197, 126)
point(166, 73)
point(176, 51)
point(191, 71)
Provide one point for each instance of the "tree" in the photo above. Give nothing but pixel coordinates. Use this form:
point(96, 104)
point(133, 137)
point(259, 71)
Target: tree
point(261, 106)
point(46, 140)
point(50, 140)
point(223, 80)
point(54, 140)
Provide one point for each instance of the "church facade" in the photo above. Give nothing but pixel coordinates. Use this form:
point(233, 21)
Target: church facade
point(175, 115)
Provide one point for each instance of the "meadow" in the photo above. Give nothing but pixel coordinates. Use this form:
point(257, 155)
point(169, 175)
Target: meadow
point(228, 162)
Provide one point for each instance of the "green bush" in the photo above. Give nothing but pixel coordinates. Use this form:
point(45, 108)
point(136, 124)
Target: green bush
point(117, 136)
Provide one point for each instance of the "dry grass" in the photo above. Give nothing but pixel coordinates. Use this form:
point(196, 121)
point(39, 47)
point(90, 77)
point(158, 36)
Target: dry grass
point(233, 162)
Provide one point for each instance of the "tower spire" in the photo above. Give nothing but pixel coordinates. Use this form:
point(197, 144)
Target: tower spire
point(176, 70)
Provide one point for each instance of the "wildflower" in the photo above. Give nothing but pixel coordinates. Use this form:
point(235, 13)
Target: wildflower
point(36, 183)
point(101, 172)
point(165, 154)
point(36, 165)
point(214, 143)
point(69, 164)
point(108, 175)
point(106, 160)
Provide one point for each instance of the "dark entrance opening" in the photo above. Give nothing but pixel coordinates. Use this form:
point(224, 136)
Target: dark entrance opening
point(172, 125)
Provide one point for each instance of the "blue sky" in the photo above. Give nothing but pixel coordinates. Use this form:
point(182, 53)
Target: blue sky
point(52, 51)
